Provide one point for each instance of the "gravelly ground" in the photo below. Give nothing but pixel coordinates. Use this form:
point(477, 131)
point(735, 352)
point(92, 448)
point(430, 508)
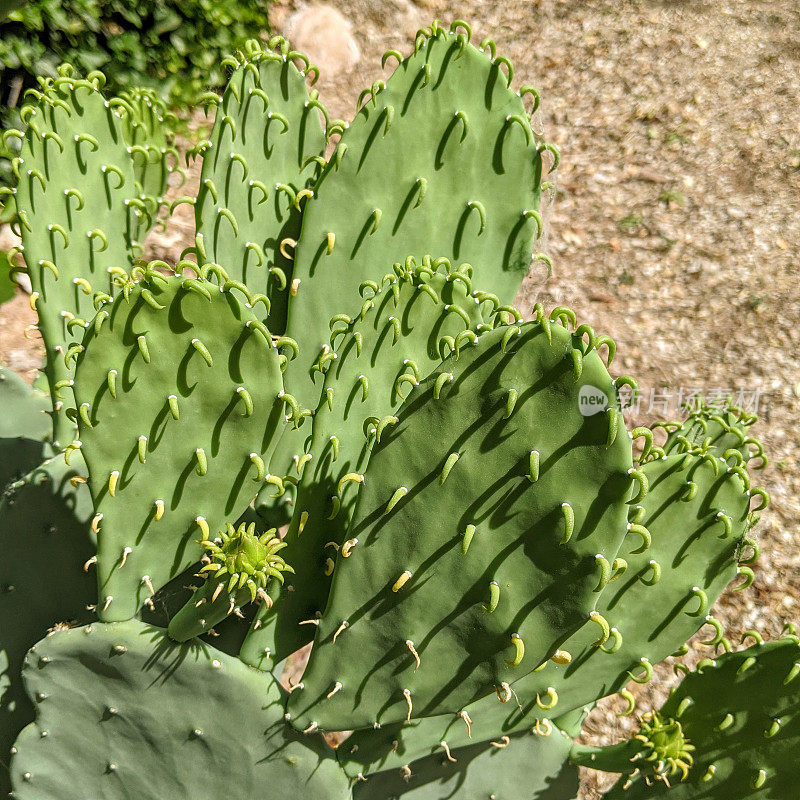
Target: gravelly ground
point(674, 226)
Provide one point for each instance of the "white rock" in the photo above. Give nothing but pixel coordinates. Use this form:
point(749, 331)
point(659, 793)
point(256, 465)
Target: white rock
point(325, 36)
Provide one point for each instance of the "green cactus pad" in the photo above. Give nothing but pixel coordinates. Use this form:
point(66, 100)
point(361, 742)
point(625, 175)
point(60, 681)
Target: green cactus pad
point(45, 541)
point(441, 160)
point(522, 767)
point(24, 427)
point(257, 168)
point(740, 715)
point(691, 557)
point(123, 712)
point(403, 332)
point(488, 562)
point(180, 402)
point(77, 200)
point(721, 430)
point(149, 129)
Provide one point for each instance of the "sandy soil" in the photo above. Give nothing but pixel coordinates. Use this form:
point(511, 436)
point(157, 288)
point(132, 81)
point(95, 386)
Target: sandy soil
point(674, 228)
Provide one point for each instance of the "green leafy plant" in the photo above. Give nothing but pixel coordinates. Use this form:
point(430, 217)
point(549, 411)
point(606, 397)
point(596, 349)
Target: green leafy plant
point(173, 48)
point(477, 546)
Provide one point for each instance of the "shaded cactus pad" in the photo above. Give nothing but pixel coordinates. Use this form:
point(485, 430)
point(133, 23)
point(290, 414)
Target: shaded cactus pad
point(740, 715)
point(45, 541)
point(502, 769)
point(472, 553)
point(124, 712)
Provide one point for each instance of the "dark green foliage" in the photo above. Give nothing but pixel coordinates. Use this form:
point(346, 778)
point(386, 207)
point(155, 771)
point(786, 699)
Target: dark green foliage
point(487, 562)
point(44, 540)
point(179, 403)
point(176, 47)
point(146, 718)
point(741, 716)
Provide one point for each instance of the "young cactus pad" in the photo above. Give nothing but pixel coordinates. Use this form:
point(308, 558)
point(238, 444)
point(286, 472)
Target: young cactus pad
point(441, 159)
point(77, 201)
point(722, 430)
point(124, 712)
point(45, 541)
point(256, 172)
point(479, 571)
point(741, 716)
point(180, 402)
point(241, 562)
point(405, 327)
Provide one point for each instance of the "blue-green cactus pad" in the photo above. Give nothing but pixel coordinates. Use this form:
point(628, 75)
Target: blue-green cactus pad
point(45, 541)
point(187, 438)
point(24, 426)
point(742, 716)
point(405, 329)
point(652, 609)
point(123, 712)
point(718, 429)
point(266, 129)
point(486, 560)
point(523, 767)
point(441, 160)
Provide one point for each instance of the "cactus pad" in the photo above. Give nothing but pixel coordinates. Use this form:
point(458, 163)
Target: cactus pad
point(179, 404)
point(403, 332)
point(440, 160)
point(691, 555)
point(123, 712)
point(254, 176)
point(77, 201)
point(739, 719)
point(500, 769)
point(45, 540)
point(428, 612)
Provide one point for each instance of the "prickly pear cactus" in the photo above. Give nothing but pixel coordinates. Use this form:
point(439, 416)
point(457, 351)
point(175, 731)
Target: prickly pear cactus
point(534, 491)
point(724, 429)
point(180, 400)
point(408, 322)
point(440, 159)
point(149, 130)
point(678, 576)
point(145, 717)
point(77, 203)
point(45, 540)
point(731, 729)
point(258, 166)
point(474, 548)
